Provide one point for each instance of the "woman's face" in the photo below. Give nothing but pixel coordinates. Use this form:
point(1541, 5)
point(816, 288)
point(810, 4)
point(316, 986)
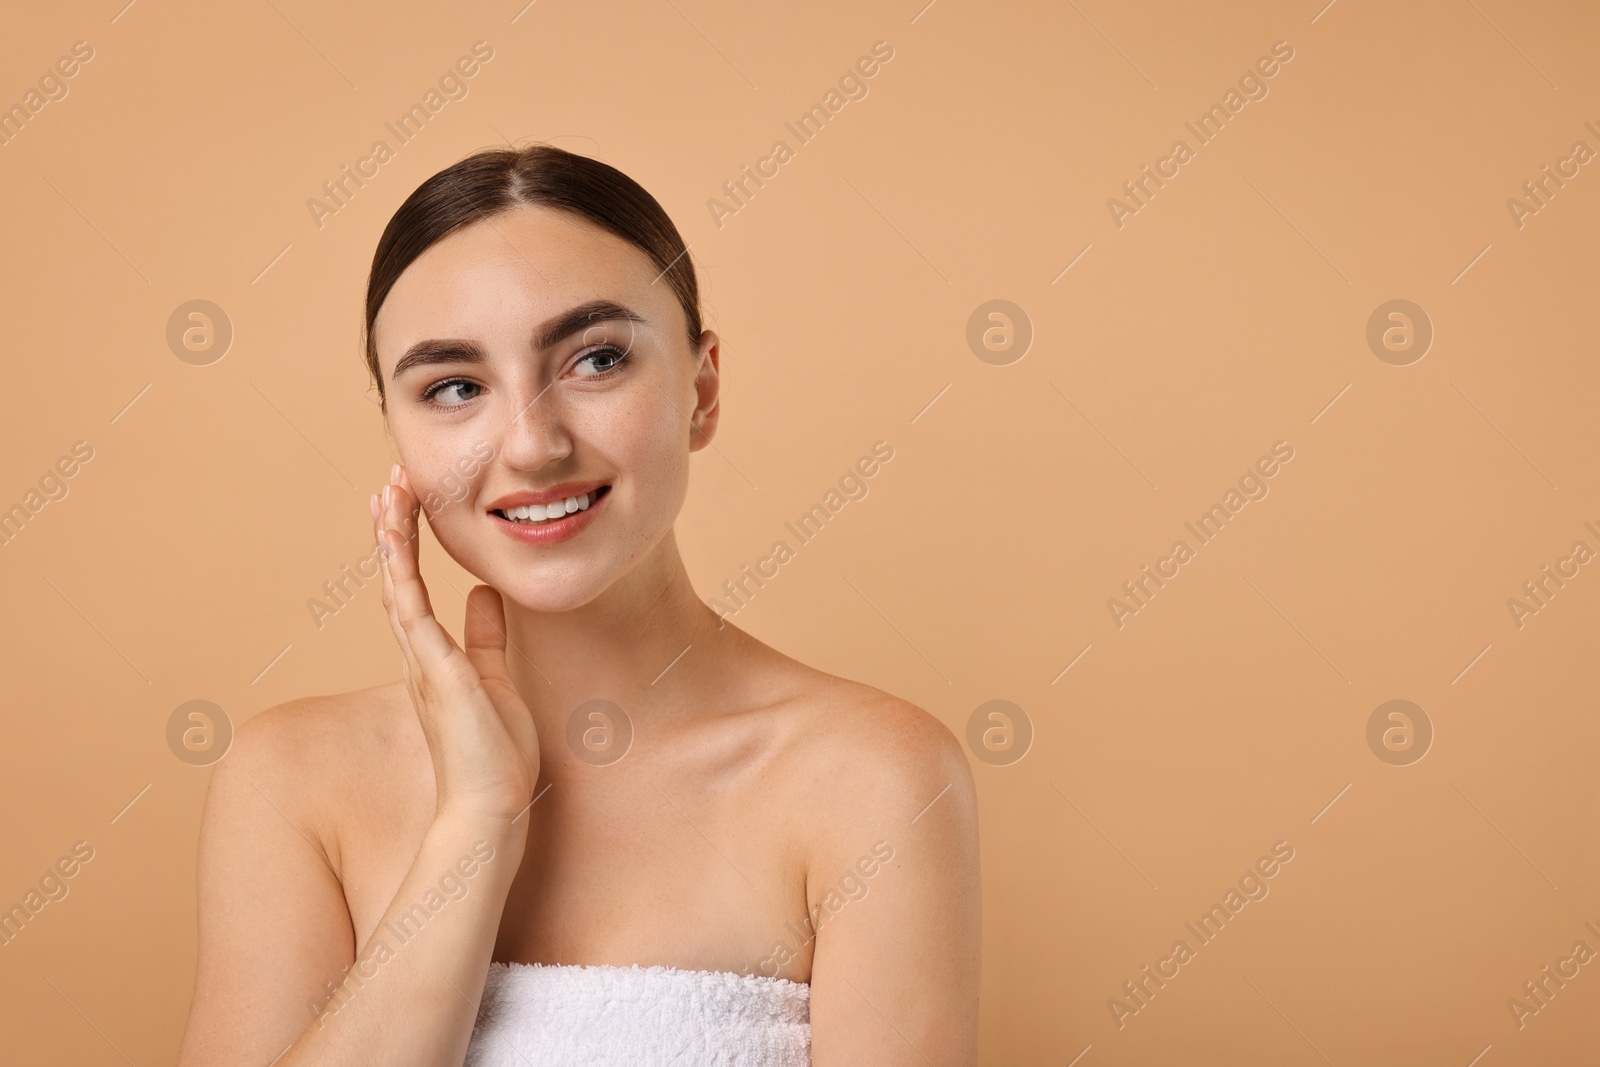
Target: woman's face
point(535, 356)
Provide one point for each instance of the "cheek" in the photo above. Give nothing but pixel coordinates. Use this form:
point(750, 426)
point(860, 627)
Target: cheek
point(644, 444)
point(658, 454)
point(444, 467)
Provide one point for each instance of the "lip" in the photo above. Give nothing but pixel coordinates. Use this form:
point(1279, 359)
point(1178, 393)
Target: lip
point(550, 533)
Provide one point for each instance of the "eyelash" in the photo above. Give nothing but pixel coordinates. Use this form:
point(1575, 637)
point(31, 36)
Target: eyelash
point(620, 359)
point(433, 390)
point(607, 350)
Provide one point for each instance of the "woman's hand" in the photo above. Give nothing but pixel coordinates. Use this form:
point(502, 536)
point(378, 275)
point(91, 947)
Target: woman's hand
point(479, 731)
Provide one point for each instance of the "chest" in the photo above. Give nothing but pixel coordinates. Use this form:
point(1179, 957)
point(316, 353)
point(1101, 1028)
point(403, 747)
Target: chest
point(628, 865)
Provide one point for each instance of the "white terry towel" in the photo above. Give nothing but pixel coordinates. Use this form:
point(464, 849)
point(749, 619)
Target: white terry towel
point(534, 1015)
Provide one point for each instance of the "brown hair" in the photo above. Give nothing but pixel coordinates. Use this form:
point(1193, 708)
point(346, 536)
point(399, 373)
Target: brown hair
point(495, 180)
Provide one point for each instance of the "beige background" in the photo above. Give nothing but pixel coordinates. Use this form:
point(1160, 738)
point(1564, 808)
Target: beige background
point(1223, 317)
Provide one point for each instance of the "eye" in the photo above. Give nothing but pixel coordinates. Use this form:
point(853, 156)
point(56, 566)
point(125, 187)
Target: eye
point(603, 361)
point(452, 392)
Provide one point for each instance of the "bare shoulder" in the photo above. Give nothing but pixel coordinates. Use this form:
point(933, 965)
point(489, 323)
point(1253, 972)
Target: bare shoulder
point(887, 787)
point(872, 759)
point(273, 905)
point(859, 723)
point(322, 732)
point(305, 756)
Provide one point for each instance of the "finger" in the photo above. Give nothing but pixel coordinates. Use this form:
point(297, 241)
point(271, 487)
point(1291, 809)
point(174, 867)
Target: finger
point(407, 658)
point(485, 633)
point(407, 507)
point(398, 509)
point(402, 478)
point(419, 679)
point(429, 641)
point(410, 672)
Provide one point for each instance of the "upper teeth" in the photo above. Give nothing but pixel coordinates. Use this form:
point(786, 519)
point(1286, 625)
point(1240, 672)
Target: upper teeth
point(553, 510)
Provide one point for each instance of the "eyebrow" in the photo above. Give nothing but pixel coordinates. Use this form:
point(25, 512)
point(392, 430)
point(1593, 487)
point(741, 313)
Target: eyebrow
point(550, 333)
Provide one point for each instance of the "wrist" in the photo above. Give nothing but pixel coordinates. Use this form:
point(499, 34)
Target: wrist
point(468, 827)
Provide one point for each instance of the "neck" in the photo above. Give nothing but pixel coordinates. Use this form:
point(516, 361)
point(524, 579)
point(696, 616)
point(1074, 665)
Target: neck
point(621, 646)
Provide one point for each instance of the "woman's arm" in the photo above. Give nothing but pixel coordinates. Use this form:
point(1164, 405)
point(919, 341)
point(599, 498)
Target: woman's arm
point(275, 931)
point(276, 938)
point(895, 971)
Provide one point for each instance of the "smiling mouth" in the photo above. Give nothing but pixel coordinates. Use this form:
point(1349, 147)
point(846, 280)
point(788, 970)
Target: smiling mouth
point(555, 511)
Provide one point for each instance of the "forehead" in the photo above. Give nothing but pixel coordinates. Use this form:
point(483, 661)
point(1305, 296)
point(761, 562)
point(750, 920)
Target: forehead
point(512, 271)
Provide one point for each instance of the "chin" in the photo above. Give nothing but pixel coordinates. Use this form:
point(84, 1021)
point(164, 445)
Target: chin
point(548, 585)
point(550, 595)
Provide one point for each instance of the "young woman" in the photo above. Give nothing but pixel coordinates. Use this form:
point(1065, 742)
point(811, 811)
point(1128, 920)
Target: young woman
point(608, 827)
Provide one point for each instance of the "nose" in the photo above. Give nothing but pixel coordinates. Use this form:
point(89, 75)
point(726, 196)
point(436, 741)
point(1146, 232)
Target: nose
point(535, 434)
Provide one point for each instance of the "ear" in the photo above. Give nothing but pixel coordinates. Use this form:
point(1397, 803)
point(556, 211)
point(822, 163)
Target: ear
point(707, 382)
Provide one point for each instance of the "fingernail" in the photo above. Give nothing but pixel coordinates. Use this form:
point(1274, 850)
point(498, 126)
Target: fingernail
point(388, 492)
point(394, 473)
point(374, 506)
